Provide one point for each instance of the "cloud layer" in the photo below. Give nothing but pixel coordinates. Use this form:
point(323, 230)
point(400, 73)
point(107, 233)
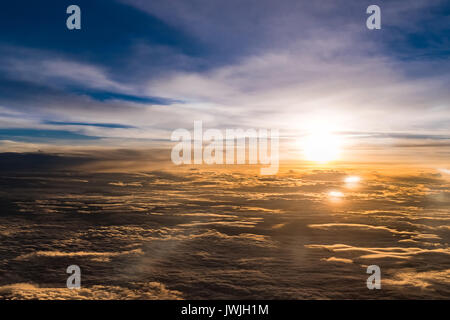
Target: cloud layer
point(224, 234)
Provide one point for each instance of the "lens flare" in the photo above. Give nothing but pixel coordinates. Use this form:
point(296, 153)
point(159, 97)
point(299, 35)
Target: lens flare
point(352, 179)
point(335, 195)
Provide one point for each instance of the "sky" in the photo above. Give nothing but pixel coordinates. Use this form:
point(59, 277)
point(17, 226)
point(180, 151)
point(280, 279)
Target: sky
point(137, 70)
point(86, 178)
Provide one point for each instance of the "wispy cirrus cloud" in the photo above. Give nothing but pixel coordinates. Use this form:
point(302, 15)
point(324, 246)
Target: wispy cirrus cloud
point(284, 65)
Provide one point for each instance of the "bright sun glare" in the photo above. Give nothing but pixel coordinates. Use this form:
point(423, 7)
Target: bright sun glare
point(321, 147)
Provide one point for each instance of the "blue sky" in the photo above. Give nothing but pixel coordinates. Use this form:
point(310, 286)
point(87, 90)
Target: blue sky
point(139, 69)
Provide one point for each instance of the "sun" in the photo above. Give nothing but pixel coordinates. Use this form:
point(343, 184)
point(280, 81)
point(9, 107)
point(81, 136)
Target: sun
point(321, 146)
